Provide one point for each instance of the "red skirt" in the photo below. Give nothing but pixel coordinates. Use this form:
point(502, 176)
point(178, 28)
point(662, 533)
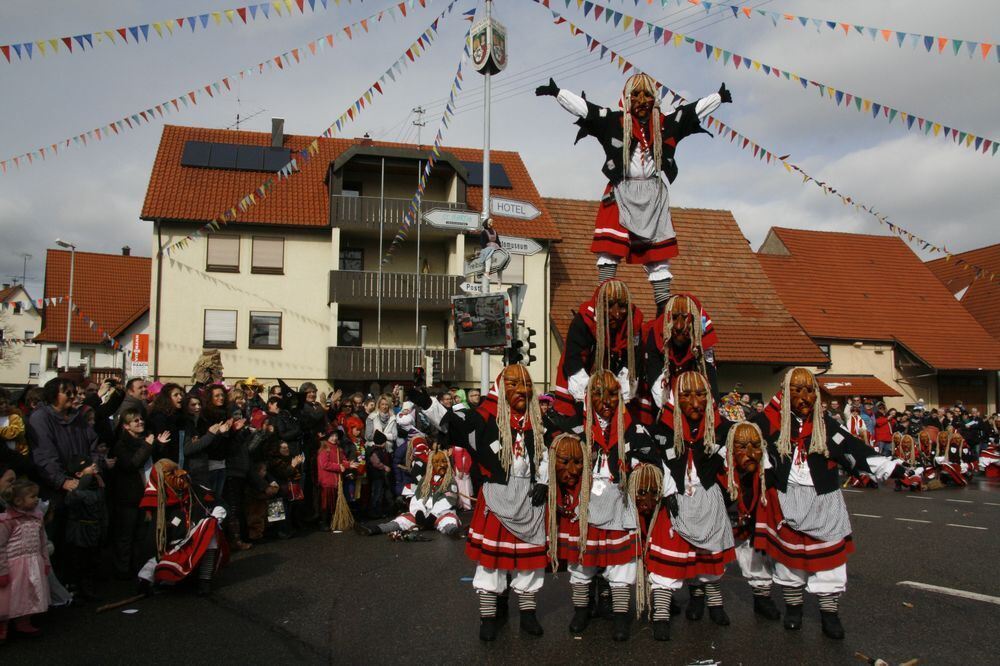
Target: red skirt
point(180, 562)
point(794, 549)
point(328, 498)
point(604, 547)
point(671, 556)
point(952, 473)
point(493, 546)
point(610, 237)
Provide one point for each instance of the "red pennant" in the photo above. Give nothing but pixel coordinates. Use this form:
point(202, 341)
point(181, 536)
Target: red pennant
point(68, 41)
point(123, 32)
point(225, 82)
point(6, 52)
point(378, 87)
point(300, 3)
point(180, 22)
point(402, 10)
point(191, 95)
point(143, 114)
point(348, 31)
point(208, 89)
point(242, 11)
point(409, 54)
point(295, 54)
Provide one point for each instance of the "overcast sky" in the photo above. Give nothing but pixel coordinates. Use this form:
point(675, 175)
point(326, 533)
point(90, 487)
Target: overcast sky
point(92, 196)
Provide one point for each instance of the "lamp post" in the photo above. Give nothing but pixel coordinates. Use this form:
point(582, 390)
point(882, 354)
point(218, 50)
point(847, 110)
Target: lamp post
point(69, 306)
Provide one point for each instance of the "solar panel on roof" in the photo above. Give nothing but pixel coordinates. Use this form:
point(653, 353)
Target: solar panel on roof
point(223, 156)
point(498, 175)
point(275, 158)
point(250, 158)
point(195, 154)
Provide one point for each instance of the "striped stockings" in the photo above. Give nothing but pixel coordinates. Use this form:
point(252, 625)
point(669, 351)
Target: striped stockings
point(581, 595)
point(606, 271)
point(207, 565)
point(526, 601)
point(661, 290)
point(487, 604)
point(714, 593)
point(829, 603)
point(661, 604)
point(762, 591)
point(620, 597)
point(793, 595)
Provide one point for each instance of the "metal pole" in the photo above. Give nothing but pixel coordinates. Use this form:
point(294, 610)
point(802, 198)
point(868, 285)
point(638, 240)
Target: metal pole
point(484, 368)
point(381, 225)
point(69, 306)
point(420, 275)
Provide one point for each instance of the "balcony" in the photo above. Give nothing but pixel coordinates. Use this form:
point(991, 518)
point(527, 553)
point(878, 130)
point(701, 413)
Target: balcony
point(353, 288)
point(391, 363)
point(363, 212)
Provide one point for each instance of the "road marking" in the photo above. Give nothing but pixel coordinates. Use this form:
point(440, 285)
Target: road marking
point(865, 515)
point(913, 520)
point(919, 497)
point(991, 503)
point(975, 596)
point(968, 527)
point(961, 501)
point(848, 490)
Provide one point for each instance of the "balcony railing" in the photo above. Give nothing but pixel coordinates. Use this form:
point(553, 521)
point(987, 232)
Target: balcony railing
point(364, 211)
point(391, 363)
point(398, 289)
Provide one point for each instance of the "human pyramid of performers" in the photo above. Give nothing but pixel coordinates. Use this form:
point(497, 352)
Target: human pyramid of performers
point(634, 479)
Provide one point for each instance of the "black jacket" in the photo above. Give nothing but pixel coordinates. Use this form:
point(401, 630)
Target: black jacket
point(708, 464)
point(484, 445)
point(87, 514)
point(129, 482)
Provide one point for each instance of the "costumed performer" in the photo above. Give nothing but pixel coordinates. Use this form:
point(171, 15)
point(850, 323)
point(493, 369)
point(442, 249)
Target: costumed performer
point(681, 338)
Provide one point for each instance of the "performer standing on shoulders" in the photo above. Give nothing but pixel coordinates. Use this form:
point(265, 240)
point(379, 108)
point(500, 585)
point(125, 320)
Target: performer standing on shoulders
point(804, 526)
point(633, 222)
point(681, 338)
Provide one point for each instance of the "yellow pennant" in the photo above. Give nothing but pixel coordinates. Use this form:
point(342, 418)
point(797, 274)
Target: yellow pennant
point(230, 13)
point(158, 28)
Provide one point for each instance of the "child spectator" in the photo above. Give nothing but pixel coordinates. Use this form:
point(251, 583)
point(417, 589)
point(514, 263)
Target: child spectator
point(261, 490)
point(287, 472)
point(24, 559)
point(331, 464)
point(86, 525)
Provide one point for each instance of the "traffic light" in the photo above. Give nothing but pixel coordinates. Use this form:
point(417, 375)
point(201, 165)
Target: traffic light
point(436, 368)
point(532, 345)
point(514, 352)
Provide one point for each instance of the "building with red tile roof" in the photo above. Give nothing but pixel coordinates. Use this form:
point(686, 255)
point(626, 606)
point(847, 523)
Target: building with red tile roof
point(979, 295)
point(881, 311)
point(757, 335)
point(20, 321)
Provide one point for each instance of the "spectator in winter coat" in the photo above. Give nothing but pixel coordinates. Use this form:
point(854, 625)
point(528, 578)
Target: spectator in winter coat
point(382, 420)
point(330, 465)
point(86, 525)
point(14, 451)
point(166, 415)
point(136, 394)
point(133, 452)
point(883, 430)
point(378, 462)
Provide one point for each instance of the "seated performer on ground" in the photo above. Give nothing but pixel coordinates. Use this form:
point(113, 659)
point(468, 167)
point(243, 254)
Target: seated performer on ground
point(433, 502)
point(185, 536)
point(603, 335)
point(804, 526)
point(745, 481)
point(633, 221)
point(957, 464)
point(989, 461)
point(507, 532)
point(681, 338)
point(909, 454)
point(694, 540)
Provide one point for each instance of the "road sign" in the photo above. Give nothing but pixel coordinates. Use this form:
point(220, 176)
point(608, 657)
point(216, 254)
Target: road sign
point(498, 262)
point(140, 355)
point(519, 210)
point(471, 287)
point(515, 245)
point(445, 218)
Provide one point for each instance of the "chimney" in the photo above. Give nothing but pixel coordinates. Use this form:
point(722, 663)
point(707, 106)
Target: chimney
point(277, 132)
point(366, 140)
point(126, 251)
point(6, 285)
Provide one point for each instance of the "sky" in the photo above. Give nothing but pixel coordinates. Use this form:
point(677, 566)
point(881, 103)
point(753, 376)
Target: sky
point(92, 196)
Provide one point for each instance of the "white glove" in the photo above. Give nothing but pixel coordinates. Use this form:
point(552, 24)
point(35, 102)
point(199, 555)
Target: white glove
point(577, 384)
point(219, 513)
point(659, 391)
point(627, 388)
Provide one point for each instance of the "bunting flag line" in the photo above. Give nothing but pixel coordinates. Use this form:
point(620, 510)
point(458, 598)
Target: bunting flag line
point(354, 109)
point(930, 43)
point(663, 36)
point(52, 301)
point(216, 88)
point(761, 153)
point(15, 53)
point(413, 209)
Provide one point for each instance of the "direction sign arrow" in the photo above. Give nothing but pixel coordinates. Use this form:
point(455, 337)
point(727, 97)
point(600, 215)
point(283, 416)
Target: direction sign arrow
point(525, 246)
point(446, 218)
point(471, 287)
point(498, 262)
point(520, 210)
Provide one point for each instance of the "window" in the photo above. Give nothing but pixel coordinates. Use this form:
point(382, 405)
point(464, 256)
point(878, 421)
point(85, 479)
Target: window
point(349, 333)
point(268, 255)
point(223, 254)
point(514, 272)
point(825, 349)
point(220, 328)
point(52, 358)
point(17, 307)
point(351, 189)
point(29, 337)
point(88, 356)
point(352, 259)
point(265, 330)
point(32, 371)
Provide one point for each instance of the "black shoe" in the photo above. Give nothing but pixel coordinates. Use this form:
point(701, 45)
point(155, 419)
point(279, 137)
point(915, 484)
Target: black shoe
point(488, 627)
point(530, 625)
point(793, 617)
point(204, 587)
point(696, 607)
point(675, 607)
point(581, 618)
point(661, 630)
point(367, 530)
point(604, 599)
point(832, 628)
point(718, 615)
point(503, 608)
point(621, 630)
point(764, 607)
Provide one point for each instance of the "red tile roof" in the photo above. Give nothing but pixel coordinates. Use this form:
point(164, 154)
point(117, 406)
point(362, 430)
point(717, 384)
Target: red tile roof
point(982, 298)
point(862, 287)
point(111, 289)
point(860, 385)
point(177, 192)
point(715, 263)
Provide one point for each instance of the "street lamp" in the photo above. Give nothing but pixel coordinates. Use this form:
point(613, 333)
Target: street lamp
point(69, 308)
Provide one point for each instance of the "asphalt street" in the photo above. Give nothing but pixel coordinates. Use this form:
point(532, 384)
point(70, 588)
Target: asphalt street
point(343, 598)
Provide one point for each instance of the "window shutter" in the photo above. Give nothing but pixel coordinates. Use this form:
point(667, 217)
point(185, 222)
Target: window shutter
point(220, 327)
point(268, 254)
point(224, 251)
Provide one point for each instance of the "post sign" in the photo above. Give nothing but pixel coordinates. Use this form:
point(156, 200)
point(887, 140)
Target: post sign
point(471, 287)
point(140, 355)
point(525, 246)
point(446, 218)
point(498, 262)
point(489, 46)
point(519, 210)
point(481, 321)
